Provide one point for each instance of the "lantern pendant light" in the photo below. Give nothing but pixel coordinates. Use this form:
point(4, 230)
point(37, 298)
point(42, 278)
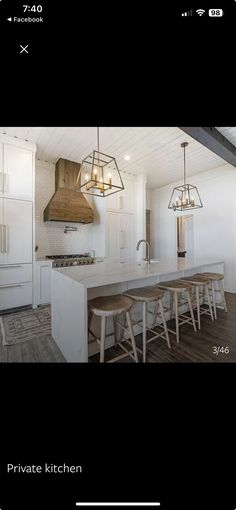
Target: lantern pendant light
point(185, 197)
point(99, 174)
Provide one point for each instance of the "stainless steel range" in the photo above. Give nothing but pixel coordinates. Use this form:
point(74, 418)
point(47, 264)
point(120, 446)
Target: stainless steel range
point(71, 260)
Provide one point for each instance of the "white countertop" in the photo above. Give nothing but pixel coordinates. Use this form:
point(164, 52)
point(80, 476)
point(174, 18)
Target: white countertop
point(106, 273)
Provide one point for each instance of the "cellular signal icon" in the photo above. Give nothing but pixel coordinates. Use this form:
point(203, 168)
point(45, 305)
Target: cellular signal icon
point(187, 13)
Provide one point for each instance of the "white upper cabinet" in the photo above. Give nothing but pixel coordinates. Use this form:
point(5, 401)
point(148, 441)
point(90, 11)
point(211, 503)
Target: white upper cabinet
point(17, 172)
point(18, 224)
point(123, 200)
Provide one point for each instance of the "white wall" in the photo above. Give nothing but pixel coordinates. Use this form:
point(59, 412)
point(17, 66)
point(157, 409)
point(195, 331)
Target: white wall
point(49, 236)
point(214, 224)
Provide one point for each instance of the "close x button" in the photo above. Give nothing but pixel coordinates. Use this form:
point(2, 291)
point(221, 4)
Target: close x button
point(24, 48)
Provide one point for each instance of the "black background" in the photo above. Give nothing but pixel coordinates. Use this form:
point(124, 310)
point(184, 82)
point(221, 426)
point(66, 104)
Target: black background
point(142, 433)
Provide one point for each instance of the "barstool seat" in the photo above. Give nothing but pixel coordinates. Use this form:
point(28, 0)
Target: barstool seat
point(216, 277)
point(148, 294)
point(112, 306)
point(109, 306)
point(145, 295)
point(177, 287)
point(198, 280)
point(213, 276)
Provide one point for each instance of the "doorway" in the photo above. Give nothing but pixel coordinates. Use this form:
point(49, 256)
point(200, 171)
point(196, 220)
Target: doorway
point(185, 243)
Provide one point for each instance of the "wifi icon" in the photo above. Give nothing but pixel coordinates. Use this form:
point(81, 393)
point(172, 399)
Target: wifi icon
point(200, 12)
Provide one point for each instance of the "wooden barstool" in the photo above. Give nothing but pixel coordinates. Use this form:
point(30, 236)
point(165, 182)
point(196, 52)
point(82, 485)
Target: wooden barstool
point(216, 277)
point(176, 288)
point(147, 295)
point(199, 281)
point(112, 306)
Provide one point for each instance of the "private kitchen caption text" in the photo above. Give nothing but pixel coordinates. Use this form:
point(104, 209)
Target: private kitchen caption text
point(45, 468)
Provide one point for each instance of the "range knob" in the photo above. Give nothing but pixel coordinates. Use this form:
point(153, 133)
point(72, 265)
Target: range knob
point(74, 263)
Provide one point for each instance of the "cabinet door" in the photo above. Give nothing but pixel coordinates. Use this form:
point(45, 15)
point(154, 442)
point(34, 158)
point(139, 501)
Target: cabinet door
point(127, 237)
point(17, 218)
point(112, 201)
point(113, 238)
point(18, 172)
point(1, 231)
point(13, 295)
point(123, 200)
point(1, 168)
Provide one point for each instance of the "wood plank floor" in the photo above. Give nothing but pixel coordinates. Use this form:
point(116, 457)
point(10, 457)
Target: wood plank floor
point(193, 347)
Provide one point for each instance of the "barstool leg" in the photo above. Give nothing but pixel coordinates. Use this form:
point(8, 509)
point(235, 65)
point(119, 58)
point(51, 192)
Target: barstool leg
point(155, 314)
point(223, 295)
point(90, 318)
point(115, 331)
point(102, 345)
point(198, 307)
point(176, 316)
point(171, 305)
point(144, 332)
point(191, 310)
point(209, 302)
point(213, 298)
point(164, 322)
point(132, 335)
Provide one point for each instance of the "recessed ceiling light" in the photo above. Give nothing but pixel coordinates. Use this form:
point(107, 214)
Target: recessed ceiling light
point(127, 158)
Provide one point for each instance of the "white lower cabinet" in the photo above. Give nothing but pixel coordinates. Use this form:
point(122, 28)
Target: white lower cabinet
point(42, 294)
point(120, 237)
point(15, 294)
point(15, 273)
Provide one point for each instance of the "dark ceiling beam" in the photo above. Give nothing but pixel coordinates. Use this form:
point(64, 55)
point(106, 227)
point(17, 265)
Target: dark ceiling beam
point(211, 138)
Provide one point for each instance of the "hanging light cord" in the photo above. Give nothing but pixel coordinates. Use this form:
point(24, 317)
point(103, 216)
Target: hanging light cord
point(184, 168)
point(98, 138)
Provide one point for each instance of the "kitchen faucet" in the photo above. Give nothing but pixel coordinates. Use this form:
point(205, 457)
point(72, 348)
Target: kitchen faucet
point(148, 247)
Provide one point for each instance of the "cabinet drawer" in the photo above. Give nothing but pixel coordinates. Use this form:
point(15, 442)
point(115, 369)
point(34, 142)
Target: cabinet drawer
point(15, 295)
point(17, 273)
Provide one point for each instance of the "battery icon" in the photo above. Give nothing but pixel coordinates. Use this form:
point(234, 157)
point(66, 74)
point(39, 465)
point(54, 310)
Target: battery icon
point(215, 13)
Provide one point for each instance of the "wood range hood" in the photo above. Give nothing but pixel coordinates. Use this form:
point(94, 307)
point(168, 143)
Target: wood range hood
point(66, 204)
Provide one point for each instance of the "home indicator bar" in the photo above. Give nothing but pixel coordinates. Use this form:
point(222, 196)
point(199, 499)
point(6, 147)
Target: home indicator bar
point(119, 504)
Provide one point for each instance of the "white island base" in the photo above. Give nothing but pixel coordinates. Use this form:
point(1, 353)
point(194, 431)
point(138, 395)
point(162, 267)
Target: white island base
point(72, 287)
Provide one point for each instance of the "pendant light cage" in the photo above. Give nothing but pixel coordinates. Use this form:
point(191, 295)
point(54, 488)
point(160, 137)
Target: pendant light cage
point(99, 174)
point(185, 197)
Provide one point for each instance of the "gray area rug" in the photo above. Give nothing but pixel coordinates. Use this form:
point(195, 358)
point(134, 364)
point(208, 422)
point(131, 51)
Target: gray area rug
point(24, 326)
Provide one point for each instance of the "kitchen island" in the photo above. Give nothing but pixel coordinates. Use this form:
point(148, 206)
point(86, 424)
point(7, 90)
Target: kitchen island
point(73, 286)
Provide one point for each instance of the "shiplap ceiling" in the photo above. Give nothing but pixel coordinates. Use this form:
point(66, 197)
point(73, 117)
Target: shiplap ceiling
point(154, 151)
